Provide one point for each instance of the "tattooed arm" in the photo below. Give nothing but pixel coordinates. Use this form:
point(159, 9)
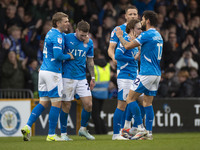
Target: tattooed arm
point(127, 45)
point(90, 66)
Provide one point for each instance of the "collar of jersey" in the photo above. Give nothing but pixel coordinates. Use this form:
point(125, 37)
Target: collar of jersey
point(56, 29)
point(76, 37)
point(151, 29)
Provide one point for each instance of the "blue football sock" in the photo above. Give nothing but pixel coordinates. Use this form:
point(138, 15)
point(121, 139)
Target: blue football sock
point(142, 111)
point(142, 115)
point(63, 121)
point(53, 119)
point(149, 117)
point(135, 124)
point(35, 114)
point(128, 113)
point(123, 119)
point(135, 110)
point(117, 120)
point(85, 116)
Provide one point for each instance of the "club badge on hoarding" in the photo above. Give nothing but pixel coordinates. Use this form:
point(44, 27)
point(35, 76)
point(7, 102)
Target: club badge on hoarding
point(9, 120)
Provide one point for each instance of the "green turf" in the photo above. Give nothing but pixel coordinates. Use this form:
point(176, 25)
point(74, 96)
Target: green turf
point(178, 141)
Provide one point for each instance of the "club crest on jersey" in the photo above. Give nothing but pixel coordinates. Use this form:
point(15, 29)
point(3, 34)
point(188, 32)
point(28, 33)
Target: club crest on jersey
point(85, 45)
point(59, 40)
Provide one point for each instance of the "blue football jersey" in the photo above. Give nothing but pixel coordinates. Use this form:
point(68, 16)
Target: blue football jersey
point(127, 66)
point(53, 41)
point(151, 52)
point(76, 69)
point(114, 38)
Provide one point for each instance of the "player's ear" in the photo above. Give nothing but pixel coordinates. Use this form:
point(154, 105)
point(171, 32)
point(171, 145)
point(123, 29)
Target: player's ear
point(148, 21)
point(57, 23)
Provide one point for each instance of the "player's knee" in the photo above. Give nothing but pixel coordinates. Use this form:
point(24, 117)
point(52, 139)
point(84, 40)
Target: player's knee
point(45, 104)
point(88, 107)
point(147, 100)
point(147, 103)
point(140, 98)
point(55, 102)
point(44, 101)
point(121, 107)
point(66, 106)
point(128, 100)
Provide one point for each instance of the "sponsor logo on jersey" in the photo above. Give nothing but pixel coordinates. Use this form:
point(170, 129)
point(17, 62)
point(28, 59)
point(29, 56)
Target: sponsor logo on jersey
point(9, 120)
point(78, 52)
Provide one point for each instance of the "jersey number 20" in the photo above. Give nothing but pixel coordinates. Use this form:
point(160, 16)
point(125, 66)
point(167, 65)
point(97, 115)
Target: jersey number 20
point(160, 45)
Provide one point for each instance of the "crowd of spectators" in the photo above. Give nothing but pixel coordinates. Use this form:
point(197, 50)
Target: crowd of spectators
point(24, 24)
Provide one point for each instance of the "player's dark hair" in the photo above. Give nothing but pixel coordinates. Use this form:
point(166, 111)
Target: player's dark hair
point(152, 16)
point(57, 17)
point(131, 25)
point(83, 26)
point(130, 7)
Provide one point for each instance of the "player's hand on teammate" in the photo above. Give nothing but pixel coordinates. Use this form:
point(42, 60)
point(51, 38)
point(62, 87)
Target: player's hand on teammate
point(72, 57)
point(92, 84)
point(119, 32)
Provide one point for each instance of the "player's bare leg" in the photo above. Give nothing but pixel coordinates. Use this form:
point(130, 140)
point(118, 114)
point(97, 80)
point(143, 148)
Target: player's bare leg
point(85, 116)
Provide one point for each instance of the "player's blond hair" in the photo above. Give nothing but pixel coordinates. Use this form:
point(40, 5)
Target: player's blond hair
point(57, 17)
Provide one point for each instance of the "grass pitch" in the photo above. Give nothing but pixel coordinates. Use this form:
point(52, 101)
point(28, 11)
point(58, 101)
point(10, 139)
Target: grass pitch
point(176, 141)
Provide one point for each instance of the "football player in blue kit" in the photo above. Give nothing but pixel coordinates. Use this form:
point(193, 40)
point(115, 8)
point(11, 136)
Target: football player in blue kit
point(127, 69)
point(131, 13)
point(150, 73)
point(50, 77)
point(74, 77)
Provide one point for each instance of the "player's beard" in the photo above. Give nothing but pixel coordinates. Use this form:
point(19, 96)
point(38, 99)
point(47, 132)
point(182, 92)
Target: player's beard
point(143, 27)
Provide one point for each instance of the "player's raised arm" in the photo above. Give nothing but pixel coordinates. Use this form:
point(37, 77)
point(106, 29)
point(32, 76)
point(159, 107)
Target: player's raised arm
point(127, 45)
